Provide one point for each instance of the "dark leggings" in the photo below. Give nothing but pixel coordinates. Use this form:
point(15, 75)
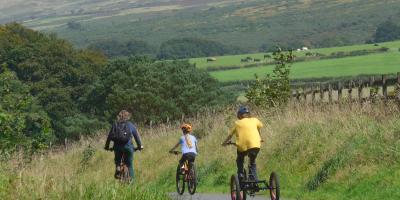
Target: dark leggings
point(252, 153)
point(191, 157)
point(128, 150)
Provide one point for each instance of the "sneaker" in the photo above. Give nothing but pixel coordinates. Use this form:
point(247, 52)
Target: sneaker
point(116, 174)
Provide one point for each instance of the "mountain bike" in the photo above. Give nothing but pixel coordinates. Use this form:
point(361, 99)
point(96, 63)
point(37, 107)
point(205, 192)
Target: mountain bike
point(185, 173)
point(241, 186)
point(122, 173)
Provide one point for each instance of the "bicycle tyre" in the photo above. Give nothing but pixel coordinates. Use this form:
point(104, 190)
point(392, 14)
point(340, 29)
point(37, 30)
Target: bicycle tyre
point(245, 179)
point(192, 181)
point(274, 187)
point(236, 192)
point(180, 181)
point(124, 174)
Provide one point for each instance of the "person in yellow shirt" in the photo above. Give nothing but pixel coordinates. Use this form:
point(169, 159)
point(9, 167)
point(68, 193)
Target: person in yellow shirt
point(248, 140)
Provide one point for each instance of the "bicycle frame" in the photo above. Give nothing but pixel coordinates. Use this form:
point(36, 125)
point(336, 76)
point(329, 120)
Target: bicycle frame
point(185, 173)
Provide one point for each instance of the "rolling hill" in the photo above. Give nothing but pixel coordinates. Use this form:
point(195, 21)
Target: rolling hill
point(251, 25)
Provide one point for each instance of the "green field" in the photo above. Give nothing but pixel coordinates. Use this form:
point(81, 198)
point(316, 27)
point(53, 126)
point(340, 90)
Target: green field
point(234, 60)
point(350, 66)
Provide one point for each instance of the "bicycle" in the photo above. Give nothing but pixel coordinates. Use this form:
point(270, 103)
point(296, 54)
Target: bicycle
point(242, 186)
point(122, 169)
point(185, 173)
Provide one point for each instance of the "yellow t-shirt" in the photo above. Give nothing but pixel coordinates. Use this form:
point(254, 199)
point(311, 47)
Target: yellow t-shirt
point(247, 135)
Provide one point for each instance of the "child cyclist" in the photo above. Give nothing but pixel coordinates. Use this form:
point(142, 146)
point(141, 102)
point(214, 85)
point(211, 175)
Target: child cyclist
point(188, 144)
point(248, 140)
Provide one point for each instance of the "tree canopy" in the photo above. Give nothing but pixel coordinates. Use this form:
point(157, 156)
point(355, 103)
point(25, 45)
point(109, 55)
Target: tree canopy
point(154, 90)
point(387, 31)
point(51, 91)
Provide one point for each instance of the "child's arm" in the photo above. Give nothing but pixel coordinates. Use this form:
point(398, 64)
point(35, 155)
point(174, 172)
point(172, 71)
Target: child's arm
point(176, 146)
point(197, 149)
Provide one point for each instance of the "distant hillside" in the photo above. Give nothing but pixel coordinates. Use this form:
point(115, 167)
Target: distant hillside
point(252, 25)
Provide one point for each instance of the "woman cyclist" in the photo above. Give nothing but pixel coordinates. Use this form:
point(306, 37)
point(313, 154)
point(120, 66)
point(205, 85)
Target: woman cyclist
point(121, 134)
point(188, 144)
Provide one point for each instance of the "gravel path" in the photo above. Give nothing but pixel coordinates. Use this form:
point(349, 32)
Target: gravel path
point(175, 196)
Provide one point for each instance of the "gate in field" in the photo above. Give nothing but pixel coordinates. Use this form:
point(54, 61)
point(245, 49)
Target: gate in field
point(384, 87)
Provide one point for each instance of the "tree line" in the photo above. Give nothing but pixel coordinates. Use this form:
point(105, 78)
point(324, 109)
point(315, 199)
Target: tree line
point(51, 91)
point(177, 48)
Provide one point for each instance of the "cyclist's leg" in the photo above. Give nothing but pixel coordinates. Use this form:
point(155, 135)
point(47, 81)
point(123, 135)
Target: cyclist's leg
point(253, 156)
point(117, 160)
point(191, 158)
point(129, 160)
point(239, 162)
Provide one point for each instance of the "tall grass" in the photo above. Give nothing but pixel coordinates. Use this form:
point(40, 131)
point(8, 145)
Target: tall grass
point(320, 153)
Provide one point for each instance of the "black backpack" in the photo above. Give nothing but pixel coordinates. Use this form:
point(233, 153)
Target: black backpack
point(120, 133)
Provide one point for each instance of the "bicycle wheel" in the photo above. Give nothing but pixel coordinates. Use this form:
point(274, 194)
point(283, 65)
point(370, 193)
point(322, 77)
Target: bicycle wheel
point(192, 180)
point(124, 174)
point(274, 188)
point(236, 192)
point(180, 181)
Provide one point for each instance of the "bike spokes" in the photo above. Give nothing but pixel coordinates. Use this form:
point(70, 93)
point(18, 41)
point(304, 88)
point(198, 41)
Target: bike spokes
point(274, 186)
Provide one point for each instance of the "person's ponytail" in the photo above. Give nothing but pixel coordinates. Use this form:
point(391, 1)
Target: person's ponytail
point(188, 141)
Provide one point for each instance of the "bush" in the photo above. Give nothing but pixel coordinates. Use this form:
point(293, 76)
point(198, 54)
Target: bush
point(274, 89)
point(22, 121)
point(79, 125)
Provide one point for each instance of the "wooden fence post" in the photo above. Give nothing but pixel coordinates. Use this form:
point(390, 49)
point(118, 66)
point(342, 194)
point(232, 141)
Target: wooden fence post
point(398, 90)
point(297, 96)
point(330, 93)
point(321, 93)
point(384, 87)
point(360, 89)
point(66, 143)
point(371, 84)
point(168, 122)
point(340, 88)
point(312, 95)
point(305, 95)
point(350, 91)
point(293, 96)
point(398, 78)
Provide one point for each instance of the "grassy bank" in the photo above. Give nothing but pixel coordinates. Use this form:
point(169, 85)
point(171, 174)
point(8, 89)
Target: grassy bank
point(325, 153)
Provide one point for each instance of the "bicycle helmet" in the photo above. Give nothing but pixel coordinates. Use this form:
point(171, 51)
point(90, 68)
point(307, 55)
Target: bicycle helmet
point(186, 127)
point(243, 110)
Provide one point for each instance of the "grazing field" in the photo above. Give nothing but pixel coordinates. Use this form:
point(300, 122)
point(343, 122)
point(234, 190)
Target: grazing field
point(235, 60)
point(351, 66)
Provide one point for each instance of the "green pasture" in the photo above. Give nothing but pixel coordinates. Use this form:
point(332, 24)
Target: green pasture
point(234, 60)
point(350, 66)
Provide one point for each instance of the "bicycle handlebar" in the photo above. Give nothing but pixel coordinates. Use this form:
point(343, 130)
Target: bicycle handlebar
point(229, 143)
point(135, 149)
point(175, 152)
